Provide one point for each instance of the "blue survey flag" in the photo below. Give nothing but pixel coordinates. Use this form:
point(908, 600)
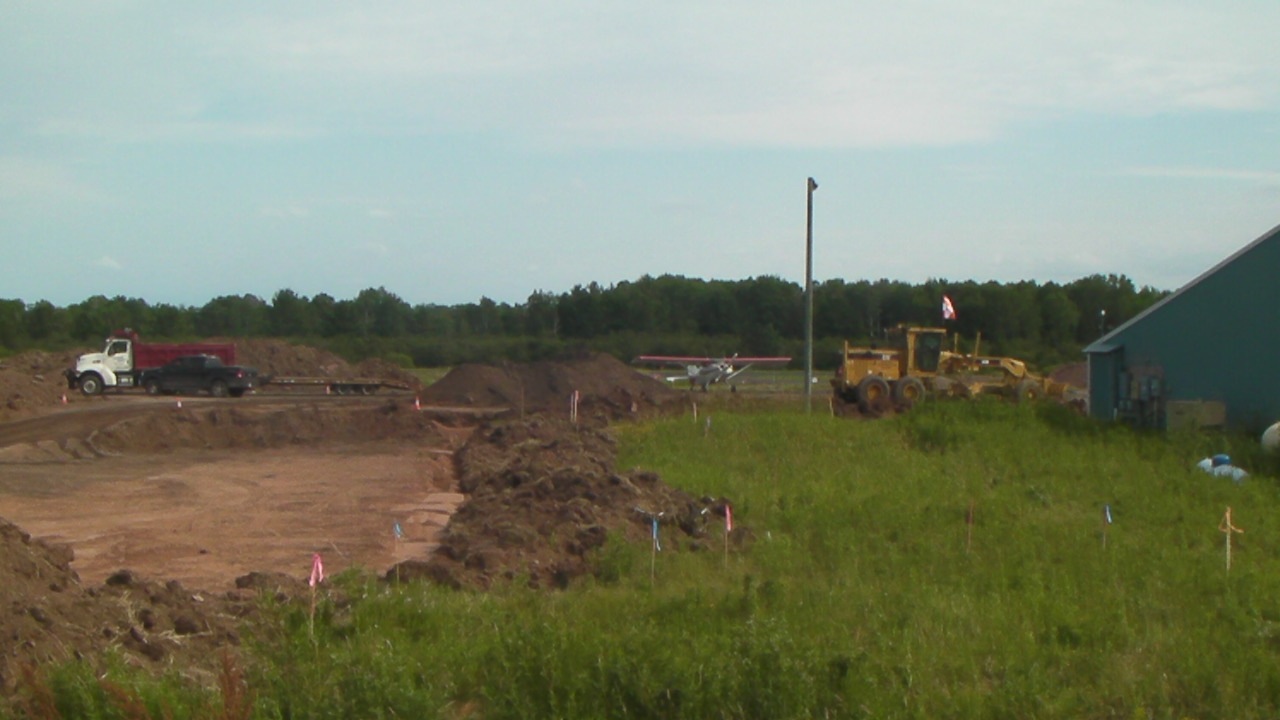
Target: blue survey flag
point(657, 545)
point(1106, 511)
point(399, 533)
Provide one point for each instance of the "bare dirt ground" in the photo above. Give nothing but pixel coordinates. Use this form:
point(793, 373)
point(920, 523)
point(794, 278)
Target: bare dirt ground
point(150, 525)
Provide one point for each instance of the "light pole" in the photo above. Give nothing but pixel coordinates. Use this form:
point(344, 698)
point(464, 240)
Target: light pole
point(808, 302)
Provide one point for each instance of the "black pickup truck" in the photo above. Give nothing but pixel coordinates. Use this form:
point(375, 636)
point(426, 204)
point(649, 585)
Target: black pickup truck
point(199, 373)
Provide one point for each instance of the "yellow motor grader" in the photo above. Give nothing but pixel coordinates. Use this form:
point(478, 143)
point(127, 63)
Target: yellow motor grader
point(918, 366)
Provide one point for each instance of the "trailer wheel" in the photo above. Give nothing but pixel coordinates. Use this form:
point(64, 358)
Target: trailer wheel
point(218, 389)
point(908, 391)
point(152, 387)
point(1027, 391)
point(90, 384)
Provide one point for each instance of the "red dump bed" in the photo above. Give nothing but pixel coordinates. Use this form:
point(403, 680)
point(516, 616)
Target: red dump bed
point(152, 355)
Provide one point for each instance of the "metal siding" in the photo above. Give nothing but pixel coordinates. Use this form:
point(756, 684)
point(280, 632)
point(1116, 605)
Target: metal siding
point(1103, 377)
point(1218, 339)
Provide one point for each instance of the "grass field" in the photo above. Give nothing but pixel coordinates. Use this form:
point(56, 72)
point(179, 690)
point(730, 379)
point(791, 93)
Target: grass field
point(953, 562)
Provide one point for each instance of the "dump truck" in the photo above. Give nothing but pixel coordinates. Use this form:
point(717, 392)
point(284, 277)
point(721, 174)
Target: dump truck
point(917, 366)
point(125, 359)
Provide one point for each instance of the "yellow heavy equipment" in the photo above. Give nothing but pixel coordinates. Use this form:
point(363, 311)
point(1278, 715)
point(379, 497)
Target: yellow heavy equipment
point(918, 366)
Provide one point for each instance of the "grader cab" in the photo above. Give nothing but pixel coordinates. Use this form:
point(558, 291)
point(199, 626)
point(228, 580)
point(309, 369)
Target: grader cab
point(918, 366)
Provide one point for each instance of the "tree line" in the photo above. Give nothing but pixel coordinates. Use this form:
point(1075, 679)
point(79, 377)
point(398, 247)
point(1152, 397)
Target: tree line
point(1046, 323)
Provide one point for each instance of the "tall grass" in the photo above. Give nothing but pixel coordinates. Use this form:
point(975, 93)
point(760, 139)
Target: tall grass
point(951, 562)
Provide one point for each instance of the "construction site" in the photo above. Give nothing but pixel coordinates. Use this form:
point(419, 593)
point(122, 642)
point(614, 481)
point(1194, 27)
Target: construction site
point(151, 525)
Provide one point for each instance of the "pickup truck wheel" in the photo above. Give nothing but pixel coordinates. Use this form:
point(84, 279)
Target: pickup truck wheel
point(91, 384)
point(152, 387)
point(218, 389)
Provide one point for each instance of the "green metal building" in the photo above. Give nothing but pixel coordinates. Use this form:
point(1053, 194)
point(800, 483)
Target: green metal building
point(1206, 355)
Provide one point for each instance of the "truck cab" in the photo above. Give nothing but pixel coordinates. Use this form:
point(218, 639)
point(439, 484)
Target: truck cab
point(113, 367)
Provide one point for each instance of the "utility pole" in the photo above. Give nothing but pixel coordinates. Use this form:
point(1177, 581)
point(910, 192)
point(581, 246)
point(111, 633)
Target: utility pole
point(808, 303)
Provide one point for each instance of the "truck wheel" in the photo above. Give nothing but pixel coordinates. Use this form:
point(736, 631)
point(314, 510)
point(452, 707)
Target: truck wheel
point(218, 389)
point(153, 387)
point(1027, 391)
point(908, 391)
point(91, 384)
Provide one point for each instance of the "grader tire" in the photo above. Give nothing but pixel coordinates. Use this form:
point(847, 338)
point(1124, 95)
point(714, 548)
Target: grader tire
point(1027, 391)
point(873, 395)
point(908, 391)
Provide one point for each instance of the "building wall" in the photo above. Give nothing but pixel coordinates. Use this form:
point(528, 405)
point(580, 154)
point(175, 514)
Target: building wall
point(1104, 372)
point(1216, 339)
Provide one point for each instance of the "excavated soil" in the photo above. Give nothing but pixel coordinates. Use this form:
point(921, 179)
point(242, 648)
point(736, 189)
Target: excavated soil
point(151, 525)
point(542, 495)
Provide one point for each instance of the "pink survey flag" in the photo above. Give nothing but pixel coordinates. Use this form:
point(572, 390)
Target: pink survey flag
point(317, 570)
point(948, 310)
point(728, 518)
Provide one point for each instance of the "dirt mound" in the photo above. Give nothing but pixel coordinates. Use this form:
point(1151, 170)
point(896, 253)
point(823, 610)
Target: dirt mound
point(1074, 374)
point(276, 357)
point(543, 495)
point(47, 616)
point(605, 385)
point(33, 380)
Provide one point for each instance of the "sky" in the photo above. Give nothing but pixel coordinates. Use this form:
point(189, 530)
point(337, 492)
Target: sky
point(178, 152)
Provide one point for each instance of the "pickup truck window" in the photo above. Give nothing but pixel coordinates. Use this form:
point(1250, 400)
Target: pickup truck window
point(119, 347)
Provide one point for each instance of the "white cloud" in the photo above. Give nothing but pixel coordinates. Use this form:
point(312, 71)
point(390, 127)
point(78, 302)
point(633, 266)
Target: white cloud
point(819, 74)
point(110, 263)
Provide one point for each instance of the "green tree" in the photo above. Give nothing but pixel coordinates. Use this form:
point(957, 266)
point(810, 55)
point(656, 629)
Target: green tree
point(233, 316)
point(290, 315)
point(168, 321)
point(13, 331)
point(46, 322)
point(541, 318)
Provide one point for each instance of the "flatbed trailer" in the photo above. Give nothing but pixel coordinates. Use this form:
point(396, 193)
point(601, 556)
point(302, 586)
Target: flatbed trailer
point(336, 386)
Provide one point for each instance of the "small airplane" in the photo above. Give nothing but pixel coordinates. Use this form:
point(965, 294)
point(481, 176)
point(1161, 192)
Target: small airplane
point(703, 372)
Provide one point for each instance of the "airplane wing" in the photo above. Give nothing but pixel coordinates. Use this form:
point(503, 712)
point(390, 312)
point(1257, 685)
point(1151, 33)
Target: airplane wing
point(673, 360)
point(768, 360)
